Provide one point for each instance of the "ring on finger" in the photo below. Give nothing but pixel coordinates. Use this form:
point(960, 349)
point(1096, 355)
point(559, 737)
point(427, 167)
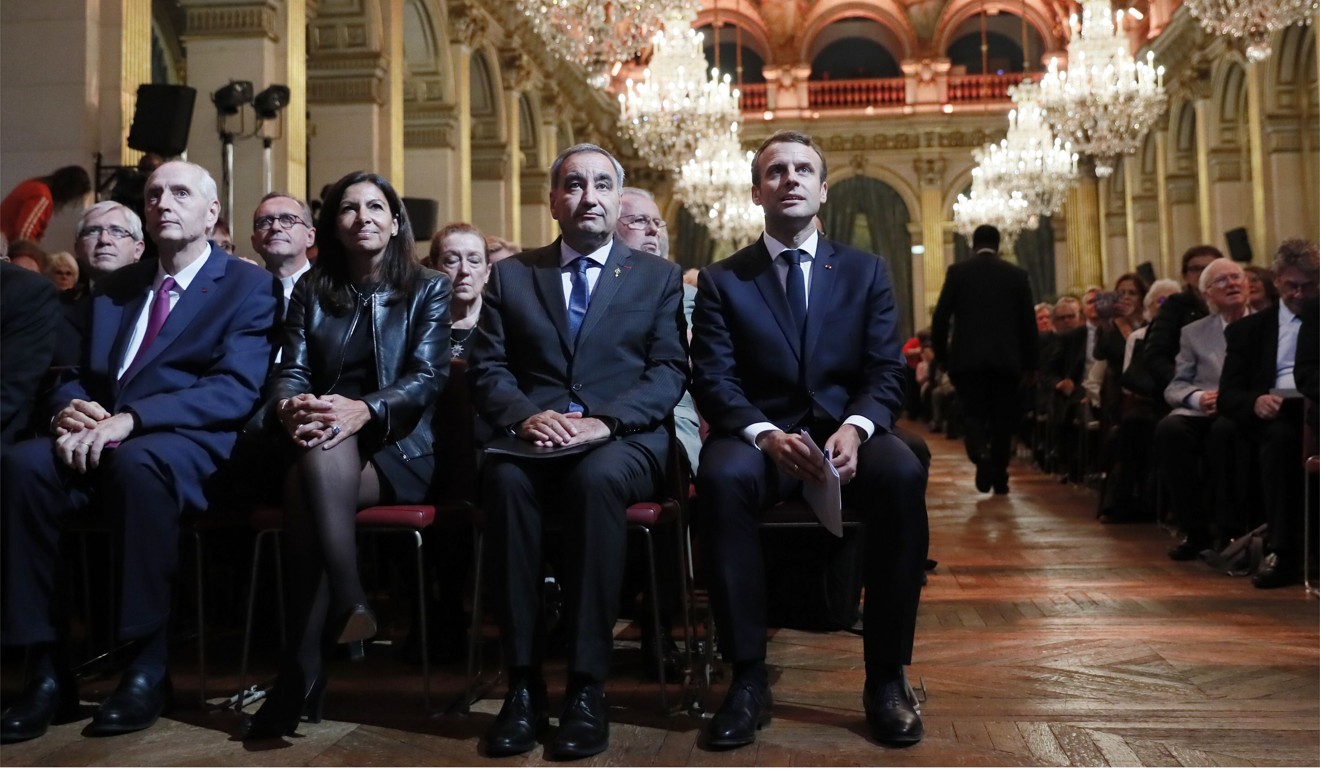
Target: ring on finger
point(335, 431)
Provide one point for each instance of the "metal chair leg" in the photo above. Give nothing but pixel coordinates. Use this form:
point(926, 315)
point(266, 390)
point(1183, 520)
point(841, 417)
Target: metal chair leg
point(201, 616)
point(421, 602)
point(474, 629)
point(252, 601)
point(657, 638)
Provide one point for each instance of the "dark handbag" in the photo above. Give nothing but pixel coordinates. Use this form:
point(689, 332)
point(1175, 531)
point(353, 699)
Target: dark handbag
point(1241, 557)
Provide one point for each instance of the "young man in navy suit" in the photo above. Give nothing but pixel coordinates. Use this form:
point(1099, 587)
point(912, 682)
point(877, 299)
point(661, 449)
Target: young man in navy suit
point(176, 353)
point(798, 333)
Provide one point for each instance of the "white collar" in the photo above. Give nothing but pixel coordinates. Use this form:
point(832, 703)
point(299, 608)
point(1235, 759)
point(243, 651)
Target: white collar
point(775, 247)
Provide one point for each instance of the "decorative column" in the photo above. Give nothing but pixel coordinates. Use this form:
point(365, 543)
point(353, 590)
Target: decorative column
point(466, 28)
point(1082, 210)
point(131, 50)
point(930, 174)
point(518, 76)
point(1262, 233)
point(1165, 215)
point(391, 150)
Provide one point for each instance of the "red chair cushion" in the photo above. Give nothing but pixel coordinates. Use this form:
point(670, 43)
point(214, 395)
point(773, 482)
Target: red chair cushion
point(267, 517)
point(644, 514)
point(399, 516)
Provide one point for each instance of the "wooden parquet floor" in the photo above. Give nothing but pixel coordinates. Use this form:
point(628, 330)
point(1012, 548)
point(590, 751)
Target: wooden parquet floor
point(1045, 638)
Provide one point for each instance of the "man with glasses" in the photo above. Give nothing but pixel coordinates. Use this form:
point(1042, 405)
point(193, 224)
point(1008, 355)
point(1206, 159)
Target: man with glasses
point(1258, 392)
point(1153, 369)
point(109, 238)
point(282, 232)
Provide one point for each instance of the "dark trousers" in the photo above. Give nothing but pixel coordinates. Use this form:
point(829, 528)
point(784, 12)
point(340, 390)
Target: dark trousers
point(589, 494)
point(991, 410)
point(737, 483)
point(1277, 445)
point(1194, 456)
point(142, 488)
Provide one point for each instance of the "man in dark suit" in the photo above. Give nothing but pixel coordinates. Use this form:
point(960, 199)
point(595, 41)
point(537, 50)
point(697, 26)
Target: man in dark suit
point(1258, 392)
point(798, 333)
point(29, 318)
point(580, 341)
point(986, 302)
point(173, 364)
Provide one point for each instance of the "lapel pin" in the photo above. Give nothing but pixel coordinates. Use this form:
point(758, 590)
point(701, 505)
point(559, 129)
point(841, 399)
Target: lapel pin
point(617, 271)
point(829, 266)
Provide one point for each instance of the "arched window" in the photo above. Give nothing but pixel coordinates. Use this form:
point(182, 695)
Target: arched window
point(1003, 36)
point(752, 62)
point(854, 48)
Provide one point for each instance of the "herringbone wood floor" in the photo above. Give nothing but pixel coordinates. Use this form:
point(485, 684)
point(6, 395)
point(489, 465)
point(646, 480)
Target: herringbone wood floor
point(1045, 639)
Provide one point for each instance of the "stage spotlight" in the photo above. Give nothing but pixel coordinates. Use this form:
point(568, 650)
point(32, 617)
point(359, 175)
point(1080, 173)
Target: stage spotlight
point(229, 98)
point(269, 102)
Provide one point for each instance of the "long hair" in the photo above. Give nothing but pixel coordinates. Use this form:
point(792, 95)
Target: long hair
point(398, 269)
point(68, 184)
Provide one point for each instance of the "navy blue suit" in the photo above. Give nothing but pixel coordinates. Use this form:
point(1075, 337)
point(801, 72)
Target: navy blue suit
point(749, 366)
point(192, 390)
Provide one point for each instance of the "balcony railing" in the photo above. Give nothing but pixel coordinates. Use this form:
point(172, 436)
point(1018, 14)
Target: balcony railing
point(753, 97)
point(875, 92)
point(983, 88)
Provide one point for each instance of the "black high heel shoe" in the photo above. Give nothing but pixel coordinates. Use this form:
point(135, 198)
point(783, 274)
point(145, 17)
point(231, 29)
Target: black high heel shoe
point(287, 705)
point(359, 625)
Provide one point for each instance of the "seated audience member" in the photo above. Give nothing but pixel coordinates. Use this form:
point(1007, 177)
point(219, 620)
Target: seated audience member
point(498, 249)
point(580, 343)
point(365, 354)
point(1261, 281)
point(1259, 392)
point(28, 256)
point(1192, 445)
point(175, 355)
point(282, 234)
point(27, 210)
point(1159, 291)
point(752, 381)
point(62, 270)
point(221, 236)
point(1151, 372)
point(1064, 373)
point(1307, 371)
point(459, 251)
point(29, 318)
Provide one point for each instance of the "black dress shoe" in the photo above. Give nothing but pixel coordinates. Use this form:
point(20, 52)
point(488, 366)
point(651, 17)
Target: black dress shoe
point(135, 705)
point(584, 725)
point(46, 700)
point(1276, 573)
point(983, 476)
point(1001, 485)
point(745, 710)
point(891, 712)
point(521, 719)
point(1189, 549)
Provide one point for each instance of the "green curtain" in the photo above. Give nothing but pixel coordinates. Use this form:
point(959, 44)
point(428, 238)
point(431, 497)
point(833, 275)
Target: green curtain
point(1035, 253)
point(870, 215)
point(692, 245)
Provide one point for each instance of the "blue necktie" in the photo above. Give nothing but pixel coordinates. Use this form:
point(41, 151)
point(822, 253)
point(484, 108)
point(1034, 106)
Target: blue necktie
point(796, 287)
point(578, 297)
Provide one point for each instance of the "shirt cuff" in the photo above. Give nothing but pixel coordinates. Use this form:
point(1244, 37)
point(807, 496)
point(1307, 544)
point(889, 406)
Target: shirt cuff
point(868, 427)
point(755, 429)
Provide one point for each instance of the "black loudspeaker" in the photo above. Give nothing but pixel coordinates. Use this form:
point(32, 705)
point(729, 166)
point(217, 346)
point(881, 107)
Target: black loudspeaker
point(1147, 272)
point(422, 213)
point(162, 119)
point(1239, 247)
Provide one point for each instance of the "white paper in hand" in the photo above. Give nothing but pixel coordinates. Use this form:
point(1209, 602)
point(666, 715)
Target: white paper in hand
point(826, 499)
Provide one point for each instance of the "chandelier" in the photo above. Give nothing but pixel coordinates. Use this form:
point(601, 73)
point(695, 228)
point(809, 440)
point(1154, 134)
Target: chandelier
point(1105, 101)
point(1253, 20)
point(676, 106)
point(1030, 159)
point(715, 185)
point(1007, 210)
point(598, 33)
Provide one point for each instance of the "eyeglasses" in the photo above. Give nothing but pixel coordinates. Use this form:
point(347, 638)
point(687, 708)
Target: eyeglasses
point(93, 232)
point(287, 221)
point(641, 222)
point(1294, 287)
point(1224, 280)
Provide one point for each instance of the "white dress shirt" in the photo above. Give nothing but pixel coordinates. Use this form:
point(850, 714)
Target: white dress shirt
point(595, 261)
point(183, 279)
point(1286, 356)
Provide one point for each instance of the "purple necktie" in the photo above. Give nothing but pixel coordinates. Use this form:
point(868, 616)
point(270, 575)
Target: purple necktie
point(160, 310)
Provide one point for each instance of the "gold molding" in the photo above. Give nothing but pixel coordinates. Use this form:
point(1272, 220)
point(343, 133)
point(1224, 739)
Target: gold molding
point(230, 21)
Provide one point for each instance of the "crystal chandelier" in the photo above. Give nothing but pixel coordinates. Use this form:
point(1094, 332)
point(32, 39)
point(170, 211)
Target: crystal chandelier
point(1255, 21)
point(598, 33)
point(1030, 159)
point(1105, 101)
point(715, 185)
point(676, 106)
point(1007, 210)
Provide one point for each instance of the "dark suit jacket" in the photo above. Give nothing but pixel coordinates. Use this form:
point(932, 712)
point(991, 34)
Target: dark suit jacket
point(628, 363)
point(746, 355)
point(1067, 360)
point(986, 303)
point(202, 376)
point(1250, 368)
point(1152, 371)
point(29, 318)
point(1307, 371)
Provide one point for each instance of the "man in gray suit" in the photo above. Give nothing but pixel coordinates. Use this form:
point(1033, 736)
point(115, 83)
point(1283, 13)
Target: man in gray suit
point(1192, 443)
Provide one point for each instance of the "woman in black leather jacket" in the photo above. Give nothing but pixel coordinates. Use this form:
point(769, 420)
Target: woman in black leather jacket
point(365, 354)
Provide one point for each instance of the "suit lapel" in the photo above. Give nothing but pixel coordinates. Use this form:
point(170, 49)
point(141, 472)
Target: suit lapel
point(127, 302)
point(766, 279)
point(549, 281)
point(822, 291)
point(616, 269)
point(198, 295)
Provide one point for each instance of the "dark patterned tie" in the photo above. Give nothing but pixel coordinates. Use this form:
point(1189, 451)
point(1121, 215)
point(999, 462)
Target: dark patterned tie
point(578, 298)
point(160, 310)
point(796, 287)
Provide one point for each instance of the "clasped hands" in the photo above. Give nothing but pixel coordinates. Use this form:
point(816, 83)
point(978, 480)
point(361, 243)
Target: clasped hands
point(790, 453)
point(551, 428)
point(321, 421)
point(83, 429)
